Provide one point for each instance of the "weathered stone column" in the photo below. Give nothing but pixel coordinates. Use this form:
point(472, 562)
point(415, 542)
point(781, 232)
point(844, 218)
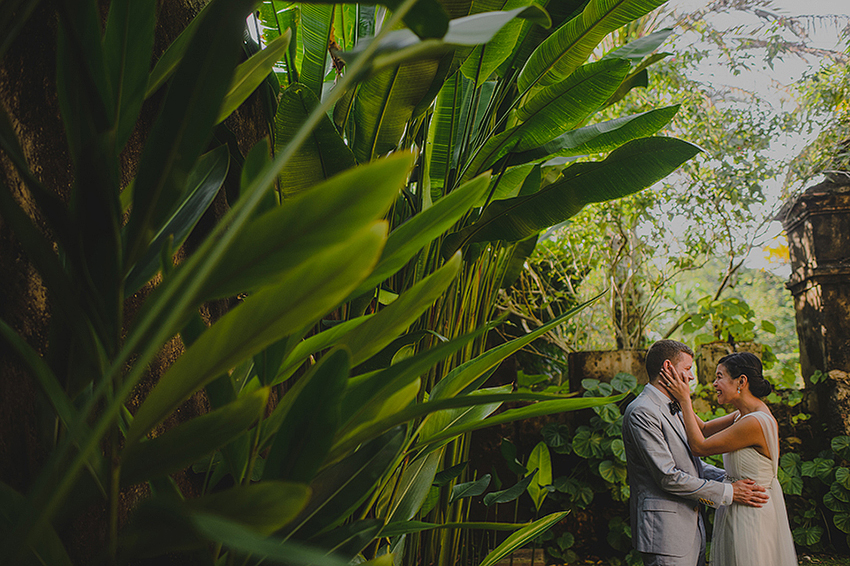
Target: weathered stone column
point(818, 227)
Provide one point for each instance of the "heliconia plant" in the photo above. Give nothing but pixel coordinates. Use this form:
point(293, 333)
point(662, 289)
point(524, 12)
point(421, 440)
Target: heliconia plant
point(406, 174)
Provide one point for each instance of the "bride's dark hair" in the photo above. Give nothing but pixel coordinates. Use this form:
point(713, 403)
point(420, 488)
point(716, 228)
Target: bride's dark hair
point(744, 363)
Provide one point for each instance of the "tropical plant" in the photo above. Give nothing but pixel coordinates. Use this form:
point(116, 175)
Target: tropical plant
point(351, 305)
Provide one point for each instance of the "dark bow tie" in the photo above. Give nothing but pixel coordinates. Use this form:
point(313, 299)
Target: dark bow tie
point(674, 407)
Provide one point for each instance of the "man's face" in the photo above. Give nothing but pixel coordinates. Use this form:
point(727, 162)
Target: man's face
point(683, 365)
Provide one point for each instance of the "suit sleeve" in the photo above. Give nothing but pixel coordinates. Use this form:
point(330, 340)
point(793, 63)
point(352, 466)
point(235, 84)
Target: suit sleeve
point(658, 460)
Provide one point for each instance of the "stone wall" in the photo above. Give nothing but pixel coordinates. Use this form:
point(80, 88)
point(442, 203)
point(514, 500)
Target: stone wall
point(818, 227)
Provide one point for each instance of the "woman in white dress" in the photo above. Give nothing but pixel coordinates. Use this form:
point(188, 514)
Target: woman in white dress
point(748, 438)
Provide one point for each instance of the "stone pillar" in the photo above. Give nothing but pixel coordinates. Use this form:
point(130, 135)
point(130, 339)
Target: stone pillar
point(604, 365)
point(817, 224)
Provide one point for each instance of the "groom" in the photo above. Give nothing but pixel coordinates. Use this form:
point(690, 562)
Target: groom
point(667, 482)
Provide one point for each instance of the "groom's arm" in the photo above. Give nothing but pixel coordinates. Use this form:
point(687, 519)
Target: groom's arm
point(646, 431)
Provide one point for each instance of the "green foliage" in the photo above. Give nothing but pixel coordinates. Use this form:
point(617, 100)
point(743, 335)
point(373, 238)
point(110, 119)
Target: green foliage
point(381, 393)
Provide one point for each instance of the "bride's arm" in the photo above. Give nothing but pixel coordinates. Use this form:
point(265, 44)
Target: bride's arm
point(730, 437)
point(720, 423)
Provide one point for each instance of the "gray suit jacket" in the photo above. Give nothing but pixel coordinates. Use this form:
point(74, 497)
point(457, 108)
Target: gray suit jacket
point(667, 482)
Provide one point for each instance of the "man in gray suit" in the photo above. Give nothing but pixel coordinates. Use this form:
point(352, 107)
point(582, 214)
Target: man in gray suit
point(667, 482)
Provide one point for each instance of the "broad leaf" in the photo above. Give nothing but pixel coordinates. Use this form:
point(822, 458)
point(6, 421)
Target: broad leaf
point(601, 137)
point(628, 169)
point(251, 74)
point(540, 460)
point(316, 23)
point(192, 440)
point(571, 44)
point(203, 184)
point(308, 292)
point(322, 156)
point(521, 537)
point(470, 489)
point(508, 495)
point(306, 433)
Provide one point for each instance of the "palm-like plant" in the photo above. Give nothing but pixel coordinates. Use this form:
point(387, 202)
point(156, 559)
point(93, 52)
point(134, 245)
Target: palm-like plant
point(387, 387)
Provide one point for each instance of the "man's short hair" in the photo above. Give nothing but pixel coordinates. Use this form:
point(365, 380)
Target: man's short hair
point(661, 351)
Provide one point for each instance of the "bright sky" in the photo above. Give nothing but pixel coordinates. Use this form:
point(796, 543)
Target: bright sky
point(770, 83)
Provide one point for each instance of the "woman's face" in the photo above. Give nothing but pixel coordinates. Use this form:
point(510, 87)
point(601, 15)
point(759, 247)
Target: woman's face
point(724, 385)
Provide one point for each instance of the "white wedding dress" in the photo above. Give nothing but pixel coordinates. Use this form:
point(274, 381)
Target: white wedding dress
point(751, 536)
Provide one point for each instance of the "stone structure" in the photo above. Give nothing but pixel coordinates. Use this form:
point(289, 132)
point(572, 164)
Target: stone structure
point(605, 364)
point(818, 227)
point(709, 354)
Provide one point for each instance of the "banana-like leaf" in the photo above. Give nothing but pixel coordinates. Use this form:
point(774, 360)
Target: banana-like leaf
point(264, 507)
point(541, 461)
point(280, 240)
point(413, 486)
point(446, 129)
point(343, 486)
point(306, 433)
point(128, 42)
point(402, 46)
point(642, 47)
point(184, 125)
point(486, 58)
point(367, 394)
point(323, 155)
point(439, 421)
point(462, 376)
point(314, 344)
point(251, 74)
point(316, 23)
point(204, 182)
point(527, 412)
point(601, 137)
point(628, 169)
point(407, 527)
point(410, 237)
point(553, 111)
point(390, 322)
point(385, 102)
point(638, 77)
point(192, 440)
point(571, 44)
point(308, 292)
point(522, 536)
point(49, 549)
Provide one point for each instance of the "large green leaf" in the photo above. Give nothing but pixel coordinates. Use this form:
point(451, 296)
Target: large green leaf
point(571, 44)
point(486, 58)
point(413, 486)
point(470, 489)
point(402, 46)
point(601, 137)
point(343, 486)
point(410, 237)
point(313, 344)
point(366, 395)
point(628, 169)
point(390, 322)
point(527, 412)
point(306, 433)
point(385, 102)
point(539, 460)
point(308, 292)
point(192, 440)
point(278, 241)
point(128, 42)
point(553, 111)
point(446, 130)
point(184, 125)
point(322, 156)
point(440, 421)
point(251, 74)
point(521, 537)
point(204, 181)
point(316, 23)
point(264, 507)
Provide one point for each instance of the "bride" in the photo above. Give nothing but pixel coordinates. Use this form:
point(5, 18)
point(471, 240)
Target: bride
point(749, 441)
